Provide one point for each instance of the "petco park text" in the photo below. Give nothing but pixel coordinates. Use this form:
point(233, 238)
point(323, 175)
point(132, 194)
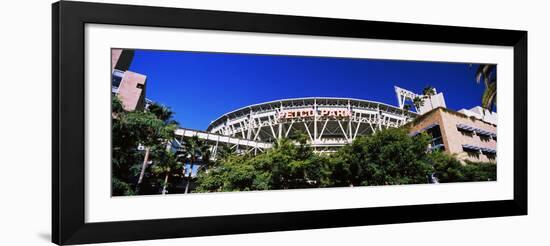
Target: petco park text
point(308, 113)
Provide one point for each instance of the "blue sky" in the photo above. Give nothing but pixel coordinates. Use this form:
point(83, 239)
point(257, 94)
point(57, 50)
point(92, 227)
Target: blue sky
point(199, 87)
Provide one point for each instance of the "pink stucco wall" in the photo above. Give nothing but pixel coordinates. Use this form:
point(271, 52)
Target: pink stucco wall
point(132, 90)
point(453, 139)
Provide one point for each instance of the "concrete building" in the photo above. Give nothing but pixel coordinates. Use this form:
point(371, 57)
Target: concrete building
point(481, 114)
point(467, 137)
point(429, 103)
point(127, 85)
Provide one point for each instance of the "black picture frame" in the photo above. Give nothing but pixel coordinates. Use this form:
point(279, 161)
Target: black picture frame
point(68, 172)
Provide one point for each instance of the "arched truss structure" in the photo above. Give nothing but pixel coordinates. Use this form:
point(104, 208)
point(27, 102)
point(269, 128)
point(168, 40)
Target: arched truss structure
point(216, 141)
point(328, 122)
point(404, 95)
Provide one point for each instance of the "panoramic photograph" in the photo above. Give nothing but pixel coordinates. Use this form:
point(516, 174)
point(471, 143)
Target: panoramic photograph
point(186, 122)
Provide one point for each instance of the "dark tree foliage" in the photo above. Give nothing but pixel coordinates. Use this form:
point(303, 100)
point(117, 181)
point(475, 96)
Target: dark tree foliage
point(480, 171)
point(130, 130)
point(286, 166)
point(388, 157)
point(449, 169)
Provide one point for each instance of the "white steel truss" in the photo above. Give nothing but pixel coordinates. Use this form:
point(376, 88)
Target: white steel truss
point(216, 140)
point(404, 95)
point(328, 122)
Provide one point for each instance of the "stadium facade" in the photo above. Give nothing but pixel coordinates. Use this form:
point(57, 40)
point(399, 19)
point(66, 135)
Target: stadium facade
point(328, 123)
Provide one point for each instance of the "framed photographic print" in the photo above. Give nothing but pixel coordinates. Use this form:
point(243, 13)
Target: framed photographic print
point(177, 123)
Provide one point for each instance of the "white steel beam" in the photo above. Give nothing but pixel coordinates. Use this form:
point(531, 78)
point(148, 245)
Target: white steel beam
point(357, 129)
point(308, 132)
point(343, 131)
point(272, 130)
point(288, 130)
point(323, 129)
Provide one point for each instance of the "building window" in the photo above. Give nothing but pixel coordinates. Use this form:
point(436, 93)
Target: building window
point(475, 151)
point(484, 138)
point(465, 130)
point(491, 156)
point(470, 131)
point(437, 139)
point(466, 133)
point(471, 151)
point(116, 78)
point(472, 154)
point(490, 153)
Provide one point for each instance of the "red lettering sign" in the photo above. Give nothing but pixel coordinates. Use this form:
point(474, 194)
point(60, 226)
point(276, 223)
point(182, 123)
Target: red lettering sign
point(310, 113)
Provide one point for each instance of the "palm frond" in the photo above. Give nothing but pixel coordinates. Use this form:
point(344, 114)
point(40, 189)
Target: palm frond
point(488, 100)
point(484, 72)
point(428, 91)
point(418, 102)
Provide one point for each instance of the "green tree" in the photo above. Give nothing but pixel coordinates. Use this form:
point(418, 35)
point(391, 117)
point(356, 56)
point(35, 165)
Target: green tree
point(195, 150)
point(387, 157)
point(162, 113)
point(480, 171)
point(446, 167)
point(290, 164)
point(224, 151)
point(152, 131)
point(167, 163)
point(126, 135)
point(449, 169)
point(158, 129)
point(235, 173)
point(116, 106)
point(131, 129)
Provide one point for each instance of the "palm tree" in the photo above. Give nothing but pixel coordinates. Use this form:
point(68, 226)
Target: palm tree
point(429, 91)
point(147, 130)
point(167, 163)
point(194, 150)
point(158, 129)
point(116, 105)
point(224, 151)
point(418, 102)
point(406, 109)
point(487, 73)
point(162, 113)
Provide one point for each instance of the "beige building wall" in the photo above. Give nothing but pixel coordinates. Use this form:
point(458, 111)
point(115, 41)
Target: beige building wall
point(428, 119)
point(453, 138)
point(132, 90)
point(115, 55)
